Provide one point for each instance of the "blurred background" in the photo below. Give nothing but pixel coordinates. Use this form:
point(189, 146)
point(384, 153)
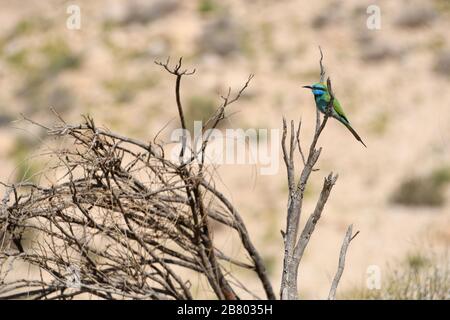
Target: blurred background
point(393, 83)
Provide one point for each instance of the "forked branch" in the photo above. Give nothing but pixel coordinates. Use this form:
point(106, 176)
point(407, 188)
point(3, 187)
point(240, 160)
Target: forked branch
point(295, 244)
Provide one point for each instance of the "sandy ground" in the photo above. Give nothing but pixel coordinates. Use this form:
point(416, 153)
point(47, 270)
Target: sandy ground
point(385, 80)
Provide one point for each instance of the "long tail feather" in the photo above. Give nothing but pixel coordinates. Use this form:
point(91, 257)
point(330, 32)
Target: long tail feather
point(349, 127)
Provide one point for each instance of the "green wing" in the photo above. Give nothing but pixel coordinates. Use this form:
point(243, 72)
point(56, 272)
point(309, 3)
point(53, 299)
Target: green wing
point(337, 107)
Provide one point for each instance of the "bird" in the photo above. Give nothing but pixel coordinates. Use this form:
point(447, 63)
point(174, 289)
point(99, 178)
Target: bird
point(322, 98)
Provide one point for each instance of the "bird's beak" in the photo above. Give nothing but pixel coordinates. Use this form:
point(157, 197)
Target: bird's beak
point(307, 87)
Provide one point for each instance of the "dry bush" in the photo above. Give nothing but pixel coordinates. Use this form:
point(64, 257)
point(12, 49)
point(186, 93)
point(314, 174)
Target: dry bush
point(421, 277)
point(123, 220)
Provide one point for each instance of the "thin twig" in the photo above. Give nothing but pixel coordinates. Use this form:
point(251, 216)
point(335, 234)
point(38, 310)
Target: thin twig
point(347, 239)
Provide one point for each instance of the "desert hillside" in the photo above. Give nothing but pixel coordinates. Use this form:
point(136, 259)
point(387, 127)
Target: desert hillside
point(392, 82)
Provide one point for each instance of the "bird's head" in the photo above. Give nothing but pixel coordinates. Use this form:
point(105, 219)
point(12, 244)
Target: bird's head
point(317, 89)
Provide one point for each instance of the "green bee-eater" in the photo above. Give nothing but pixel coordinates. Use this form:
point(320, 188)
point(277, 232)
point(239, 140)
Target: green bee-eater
point(322, 98)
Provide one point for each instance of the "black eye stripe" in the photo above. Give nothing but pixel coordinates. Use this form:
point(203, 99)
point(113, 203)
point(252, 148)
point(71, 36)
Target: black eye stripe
point(319, 88)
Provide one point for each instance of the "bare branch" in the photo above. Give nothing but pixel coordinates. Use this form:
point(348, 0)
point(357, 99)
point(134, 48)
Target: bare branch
point(322, 69)
point(179, 74)
point(315, 216)
point(294, 245)
point(347, 239)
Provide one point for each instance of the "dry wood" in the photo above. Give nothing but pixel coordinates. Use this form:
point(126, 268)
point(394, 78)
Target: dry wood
point(125, 217)
point(295, 244)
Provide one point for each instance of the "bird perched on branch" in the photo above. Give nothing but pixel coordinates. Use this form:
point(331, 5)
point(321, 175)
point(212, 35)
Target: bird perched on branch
point(322, 98)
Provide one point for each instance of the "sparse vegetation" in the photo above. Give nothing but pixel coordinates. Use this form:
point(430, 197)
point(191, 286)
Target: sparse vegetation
point(425, 190)
point(380, 123)
point(207, 6)
point(18, 59)
point(59, 56)
point(125, 89)
point(55, 57)
point(442, 63)
point(199, 108)
point(267, 30)
point(419, 277)
point(26, 27)
point(221, 36)
point(417, 261)
point(414, 16)
point(26, 170)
